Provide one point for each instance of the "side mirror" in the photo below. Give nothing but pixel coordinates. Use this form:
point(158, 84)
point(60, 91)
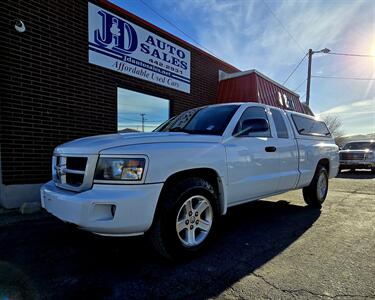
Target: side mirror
point(253, 126)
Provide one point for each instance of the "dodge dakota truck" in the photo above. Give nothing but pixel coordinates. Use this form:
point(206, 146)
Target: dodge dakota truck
point(174, 183)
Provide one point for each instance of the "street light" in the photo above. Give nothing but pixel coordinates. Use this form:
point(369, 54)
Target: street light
point(311, 52)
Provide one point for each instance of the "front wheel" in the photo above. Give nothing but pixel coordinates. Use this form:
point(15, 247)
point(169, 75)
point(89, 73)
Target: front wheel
point(185, 219)
point(315, 194)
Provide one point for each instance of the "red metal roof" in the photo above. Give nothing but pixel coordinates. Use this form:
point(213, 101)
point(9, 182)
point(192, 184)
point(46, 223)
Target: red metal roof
point(253, 86)
point(140, 21)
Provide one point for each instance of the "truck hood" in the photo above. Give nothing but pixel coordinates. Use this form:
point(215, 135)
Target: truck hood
point(96, 144)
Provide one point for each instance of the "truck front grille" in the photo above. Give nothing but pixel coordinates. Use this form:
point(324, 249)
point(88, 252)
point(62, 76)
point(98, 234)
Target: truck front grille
point(73, 172)
point(76, 163)
point(352, 156)
point(74, 179)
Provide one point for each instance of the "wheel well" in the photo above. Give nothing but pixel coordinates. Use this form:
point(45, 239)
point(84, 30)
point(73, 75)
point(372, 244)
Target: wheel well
point(205, 173)
point(325, 163)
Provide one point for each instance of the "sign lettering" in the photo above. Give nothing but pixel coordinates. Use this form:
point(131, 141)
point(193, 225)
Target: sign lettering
point(122, 46)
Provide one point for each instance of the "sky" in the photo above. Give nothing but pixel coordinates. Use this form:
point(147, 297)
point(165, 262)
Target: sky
point(273, 36)
point(130, 104)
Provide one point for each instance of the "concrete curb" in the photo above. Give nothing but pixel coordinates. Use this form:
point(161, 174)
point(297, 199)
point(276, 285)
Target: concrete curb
point(14, 216)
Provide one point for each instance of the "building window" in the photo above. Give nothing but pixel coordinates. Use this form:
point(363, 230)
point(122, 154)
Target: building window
point(140, 112)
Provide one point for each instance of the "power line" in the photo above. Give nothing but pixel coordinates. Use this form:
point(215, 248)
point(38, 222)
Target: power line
point(291, 36)
point(295, 69)
point(282, 25)
point(175, 26)
point(300, 85)
point(130, 119)
point(350, 54)
point(146, 120)
point(345, 78)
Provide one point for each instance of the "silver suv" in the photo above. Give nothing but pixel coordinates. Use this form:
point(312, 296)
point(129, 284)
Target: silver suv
point(358, 155)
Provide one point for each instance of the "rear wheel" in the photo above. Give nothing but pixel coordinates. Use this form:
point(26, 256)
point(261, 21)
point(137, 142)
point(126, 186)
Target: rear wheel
point(315, 194)
point(185, 219)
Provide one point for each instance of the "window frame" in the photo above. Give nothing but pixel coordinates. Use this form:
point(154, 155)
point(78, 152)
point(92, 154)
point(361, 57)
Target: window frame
point(310, 134)
point(371, 145)
point(197, 110)
point(284, 121)
point(147, 93)
point(234, 131)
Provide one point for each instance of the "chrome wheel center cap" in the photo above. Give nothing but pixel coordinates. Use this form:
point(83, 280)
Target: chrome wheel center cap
point(194, 220)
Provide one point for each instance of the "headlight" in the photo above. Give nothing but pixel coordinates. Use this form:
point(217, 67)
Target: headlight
point(369, 156)
point(127, 169)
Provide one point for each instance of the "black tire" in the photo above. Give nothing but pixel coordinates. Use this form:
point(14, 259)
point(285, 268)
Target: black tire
point(373, 170)
point(163, 233)
point(311, 194)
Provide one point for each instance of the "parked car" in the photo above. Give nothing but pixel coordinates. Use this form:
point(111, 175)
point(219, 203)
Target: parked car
point(358, 155)
point(174, 183)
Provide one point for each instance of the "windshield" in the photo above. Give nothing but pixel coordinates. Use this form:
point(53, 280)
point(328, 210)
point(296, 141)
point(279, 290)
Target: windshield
point(360, 146)
point(203, 120)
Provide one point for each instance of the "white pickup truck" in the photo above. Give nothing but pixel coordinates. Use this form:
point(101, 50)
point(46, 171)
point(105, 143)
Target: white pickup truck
point(174, 183)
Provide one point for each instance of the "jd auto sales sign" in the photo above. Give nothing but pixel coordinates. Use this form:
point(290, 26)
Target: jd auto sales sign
point(120, 45)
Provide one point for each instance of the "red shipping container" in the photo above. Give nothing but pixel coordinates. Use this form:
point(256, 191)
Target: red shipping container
point(253, 86)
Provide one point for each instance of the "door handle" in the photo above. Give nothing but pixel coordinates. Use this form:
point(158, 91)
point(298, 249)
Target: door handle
point(270, 149)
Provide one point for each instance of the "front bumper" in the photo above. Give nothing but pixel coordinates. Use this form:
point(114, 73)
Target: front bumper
point(92, 210)
point(357, 164)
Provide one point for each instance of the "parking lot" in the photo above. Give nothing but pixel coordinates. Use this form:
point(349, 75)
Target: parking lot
point(275, 248)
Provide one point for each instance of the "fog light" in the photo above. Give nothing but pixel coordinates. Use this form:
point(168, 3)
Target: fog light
point(113, 210)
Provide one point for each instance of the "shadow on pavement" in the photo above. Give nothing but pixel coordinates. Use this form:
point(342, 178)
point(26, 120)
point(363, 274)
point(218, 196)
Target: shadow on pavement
point(62, 263)
point(360, 174)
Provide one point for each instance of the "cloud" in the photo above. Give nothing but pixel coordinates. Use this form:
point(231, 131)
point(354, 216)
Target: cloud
point(357, 117)
point(246, 34)
point(365, 103)
point(131, 104)
point(354, 108)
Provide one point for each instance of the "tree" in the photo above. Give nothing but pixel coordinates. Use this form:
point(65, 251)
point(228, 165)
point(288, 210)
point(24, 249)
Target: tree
point(334, 125)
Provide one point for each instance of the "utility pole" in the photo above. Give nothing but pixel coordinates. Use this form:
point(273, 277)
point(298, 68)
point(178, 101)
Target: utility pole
point(310, 54)
point(143, 121)
point(308, 78)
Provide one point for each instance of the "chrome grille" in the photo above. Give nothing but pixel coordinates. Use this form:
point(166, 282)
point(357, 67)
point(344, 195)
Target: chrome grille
point(73, 172)
point(76, 163)
point(352, 156)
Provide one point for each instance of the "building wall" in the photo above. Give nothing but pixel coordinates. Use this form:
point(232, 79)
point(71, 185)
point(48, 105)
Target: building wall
point(252, 86)
point(50, 94)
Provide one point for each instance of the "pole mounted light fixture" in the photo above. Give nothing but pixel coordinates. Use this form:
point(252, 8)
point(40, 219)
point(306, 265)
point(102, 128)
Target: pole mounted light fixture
point(310, 53)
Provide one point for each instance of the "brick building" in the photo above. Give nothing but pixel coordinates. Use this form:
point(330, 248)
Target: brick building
point(64, 65)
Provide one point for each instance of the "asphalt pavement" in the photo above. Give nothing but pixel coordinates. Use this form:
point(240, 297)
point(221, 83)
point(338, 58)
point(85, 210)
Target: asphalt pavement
point(275, 248)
